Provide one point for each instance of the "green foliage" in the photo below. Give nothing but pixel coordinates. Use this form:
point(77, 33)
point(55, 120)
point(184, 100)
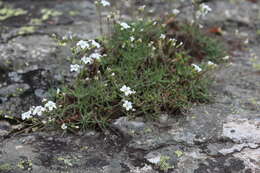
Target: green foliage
point(199, 45)
point(159, 70)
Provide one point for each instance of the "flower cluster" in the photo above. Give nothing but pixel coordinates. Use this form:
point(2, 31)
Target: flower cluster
point(124, 26)
point(86, 60)
point(39, 110)
point(127, 91)
point(88, 44)
point(75, 68)
point(83, 44)
point(203, 10)
point(90, 59)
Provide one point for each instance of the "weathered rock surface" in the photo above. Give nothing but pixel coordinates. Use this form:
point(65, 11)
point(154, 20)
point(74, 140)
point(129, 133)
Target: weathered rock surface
point(222, 137)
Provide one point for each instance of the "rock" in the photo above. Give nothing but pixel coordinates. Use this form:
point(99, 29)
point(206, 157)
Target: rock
point(128, 127)
point(242, 130)
point(251, 158)
point(5, 128)
point(14, 90)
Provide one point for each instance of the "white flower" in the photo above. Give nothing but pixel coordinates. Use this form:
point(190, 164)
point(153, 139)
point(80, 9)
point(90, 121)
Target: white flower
point(175, 11)
point(87, 60)
point(212, 64)
point(163, 36)
point(127, 105)
point(104, 3)
point(27, 115)
point(95, 56)
point(38, 110)
point(197, 68)
point(58, 91)
point(83, 44)
point(95, 44)
point(174, 41)
point(203, 10)
point(74, 68)
point(127, 90)
point(179, 45)
point(113, 74)
point(132, 38)
point(225, 58)
point(50, 105)
point(124, 26)
point(64, 126)
point(141, 8)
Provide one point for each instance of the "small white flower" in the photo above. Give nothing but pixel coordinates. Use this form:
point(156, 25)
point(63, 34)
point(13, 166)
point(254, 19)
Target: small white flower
point(163, 36)
point(95, 44)
point(74, 68)
point(95, 56)
point(124, 26)
point(64, 126)
point(113, 74)
point(212, 64)
point(87, 60)
point(132, 39)
point(174, 41)
point(58, 91)
point(225, 58)
point(175, 11)
point(127, 105)
point(140, 40)
point(127, 90)
point(179, 45)
point(27, 115)
point(50, 105)
point(104, 3)
point(197, 68)
point(83, 44)
point(141, 8)
point(203, 10)
point(38, 110)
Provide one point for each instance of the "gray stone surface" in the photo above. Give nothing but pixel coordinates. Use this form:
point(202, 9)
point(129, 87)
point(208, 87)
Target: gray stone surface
point(221, 137)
